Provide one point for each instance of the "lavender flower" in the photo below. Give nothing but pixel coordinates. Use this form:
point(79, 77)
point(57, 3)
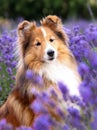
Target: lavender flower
point(66, 127)
point(0, 88)
point(37, 106)
point(93, 59)
point(5, 126)
point(53, 93)
point(2, 122)
point(24, 128)
point(64, 90)
point(29, 74)
point(86, 92)
point(7, 62)
point(94, 122)
point(36, 79)
point(42, 123)
point(83, 69)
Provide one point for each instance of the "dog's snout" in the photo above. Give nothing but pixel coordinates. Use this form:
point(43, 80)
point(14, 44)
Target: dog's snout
point(50, 53)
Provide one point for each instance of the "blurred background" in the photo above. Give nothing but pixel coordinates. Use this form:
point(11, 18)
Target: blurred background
point(16, 10)
point(35, 9)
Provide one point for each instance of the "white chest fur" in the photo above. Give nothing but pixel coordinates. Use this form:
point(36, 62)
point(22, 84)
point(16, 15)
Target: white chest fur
point(57, 72)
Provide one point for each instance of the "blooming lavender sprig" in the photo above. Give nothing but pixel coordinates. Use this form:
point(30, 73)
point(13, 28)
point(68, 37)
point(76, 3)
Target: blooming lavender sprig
point(64, 90)
point(34, 78)
point(7, 62)
point(4, 125)
point(84, 46)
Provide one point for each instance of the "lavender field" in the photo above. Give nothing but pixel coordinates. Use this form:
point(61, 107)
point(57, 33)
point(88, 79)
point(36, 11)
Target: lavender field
point(83, 44)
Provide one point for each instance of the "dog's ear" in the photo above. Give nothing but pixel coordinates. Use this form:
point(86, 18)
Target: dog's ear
point(52, 21)
point(55, 23)
point(25, 28)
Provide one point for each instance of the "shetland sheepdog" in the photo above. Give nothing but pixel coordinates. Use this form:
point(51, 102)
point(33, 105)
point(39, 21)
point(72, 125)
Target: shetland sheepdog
point(45, 50)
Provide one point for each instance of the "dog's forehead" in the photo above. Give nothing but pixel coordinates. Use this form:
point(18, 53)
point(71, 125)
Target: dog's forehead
point(43, 31)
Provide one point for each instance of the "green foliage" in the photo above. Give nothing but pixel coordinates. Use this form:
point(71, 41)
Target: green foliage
point(36, 9)
point(5, 82)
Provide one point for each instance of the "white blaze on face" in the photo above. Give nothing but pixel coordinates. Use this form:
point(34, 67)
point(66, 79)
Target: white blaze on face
point(49, 47)
point(44, 32)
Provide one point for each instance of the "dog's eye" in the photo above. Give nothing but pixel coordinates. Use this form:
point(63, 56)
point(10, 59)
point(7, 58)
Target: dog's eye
point(38, 44)
point(51, 40)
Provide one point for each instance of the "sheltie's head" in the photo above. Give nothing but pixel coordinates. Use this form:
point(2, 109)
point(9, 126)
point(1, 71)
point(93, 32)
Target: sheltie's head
point(43, 44)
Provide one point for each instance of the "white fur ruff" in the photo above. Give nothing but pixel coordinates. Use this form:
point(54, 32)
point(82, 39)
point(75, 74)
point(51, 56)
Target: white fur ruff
point(57, 72)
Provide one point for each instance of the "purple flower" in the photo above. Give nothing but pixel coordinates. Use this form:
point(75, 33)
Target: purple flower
point(63, 90)
point(74, 112)
point(5, 126)
point(60, 113)
point(24, 128)
point(37, 106)
point(0, 88)
point(2, 122)
point(53, 93)
point(76, 29)
point(86, 92)
point(42, 123)
point(83, 69)
point(66, 127)
point(77, 101)
point(13, 64)
point(34, 91)
point(38, 80)
point(46, 99)
point(93, 124)
point(93, 59)
point(29, 74)
point(74, 119)
point(91, 35)
point(9, 70)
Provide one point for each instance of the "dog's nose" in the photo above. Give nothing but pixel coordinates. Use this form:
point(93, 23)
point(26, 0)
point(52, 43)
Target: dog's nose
point(50, 53)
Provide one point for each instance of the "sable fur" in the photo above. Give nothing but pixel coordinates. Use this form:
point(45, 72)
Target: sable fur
point(16, 109)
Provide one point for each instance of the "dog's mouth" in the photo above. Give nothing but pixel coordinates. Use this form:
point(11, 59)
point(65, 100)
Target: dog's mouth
point(47, 60)
point(51, 58)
